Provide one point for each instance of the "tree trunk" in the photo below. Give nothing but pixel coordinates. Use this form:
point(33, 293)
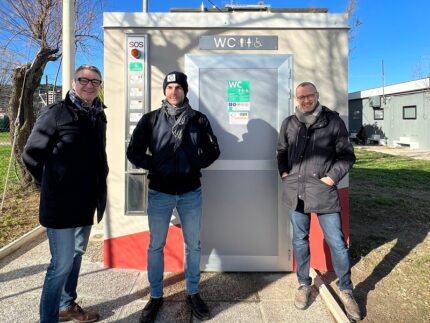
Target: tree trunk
point(26, 79)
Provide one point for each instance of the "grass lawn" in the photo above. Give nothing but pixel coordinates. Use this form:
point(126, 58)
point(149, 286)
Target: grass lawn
point(4, 162)
point(5, 148)
point(388, 171)
point(389, 236)
point(20, 208)
point(4, 137)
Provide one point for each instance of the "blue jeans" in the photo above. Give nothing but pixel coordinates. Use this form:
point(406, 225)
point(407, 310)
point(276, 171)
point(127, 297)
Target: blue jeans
point(59, 289)
point(160, 208)
point(331, 226)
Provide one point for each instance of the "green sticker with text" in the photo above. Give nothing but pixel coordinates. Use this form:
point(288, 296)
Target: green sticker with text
point(136, 66)
point(238, 91)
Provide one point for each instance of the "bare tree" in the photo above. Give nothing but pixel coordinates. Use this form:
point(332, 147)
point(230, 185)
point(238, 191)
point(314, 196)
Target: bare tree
point(422, 68)
point(354, 21)
point(6, 68)
point(31, 29)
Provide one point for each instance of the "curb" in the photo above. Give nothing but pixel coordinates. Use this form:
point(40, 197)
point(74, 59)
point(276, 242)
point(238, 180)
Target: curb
point(330, 302)
point(18, 243)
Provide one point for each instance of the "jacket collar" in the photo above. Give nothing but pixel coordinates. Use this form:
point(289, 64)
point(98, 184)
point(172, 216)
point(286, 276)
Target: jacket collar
point(322, 119)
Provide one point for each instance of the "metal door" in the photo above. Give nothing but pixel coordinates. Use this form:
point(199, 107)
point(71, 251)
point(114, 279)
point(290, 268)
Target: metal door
point(245, 97)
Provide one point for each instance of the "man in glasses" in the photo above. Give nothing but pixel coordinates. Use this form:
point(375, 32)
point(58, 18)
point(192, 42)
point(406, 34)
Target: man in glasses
point(314, 154)
point(66, 155)
point(173, 143)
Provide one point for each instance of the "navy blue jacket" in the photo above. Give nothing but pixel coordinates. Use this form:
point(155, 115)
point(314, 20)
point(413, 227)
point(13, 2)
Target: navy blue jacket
point(66, 154)
point(308, 154)
point(172, 172)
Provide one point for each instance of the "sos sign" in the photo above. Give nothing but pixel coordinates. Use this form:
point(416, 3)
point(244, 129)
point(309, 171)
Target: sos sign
point(136, 44)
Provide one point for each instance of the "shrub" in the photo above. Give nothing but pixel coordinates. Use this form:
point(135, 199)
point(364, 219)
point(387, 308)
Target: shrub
point(4, 124)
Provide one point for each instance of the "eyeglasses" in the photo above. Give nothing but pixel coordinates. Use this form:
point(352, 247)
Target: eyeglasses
point(309, 97)
point(85, 81)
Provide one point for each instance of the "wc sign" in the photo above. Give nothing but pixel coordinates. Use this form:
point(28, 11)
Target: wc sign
point(238, 42)
point(238, 91)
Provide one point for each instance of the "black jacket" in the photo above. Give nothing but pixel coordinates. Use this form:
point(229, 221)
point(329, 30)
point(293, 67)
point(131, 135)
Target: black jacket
point(66, 154)
point(307, 155)
point(172, 172)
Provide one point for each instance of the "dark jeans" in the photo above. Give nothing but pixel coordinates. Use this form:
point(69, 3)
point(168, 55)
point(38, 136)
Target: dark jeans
point(331, 226)
point(59, 289)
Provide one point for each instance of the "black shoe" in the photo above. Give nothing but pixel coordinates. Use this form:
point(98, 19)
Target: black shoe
point(149, 312)
point(198, 307)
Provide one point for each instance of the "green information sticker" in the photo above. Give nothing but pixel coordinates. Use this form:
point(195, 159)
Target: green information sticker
point(136, 66)
point(238, 91)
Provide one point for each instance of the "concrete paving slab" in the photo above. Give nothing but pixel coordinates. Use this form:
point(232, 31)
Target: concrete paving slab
point(26, 283)
point(23, 271)
point(174, 286)
point(279, 286)
point(109, 310)
point(97, 281)
point(423, 154)
point(244, 311)
point(171, 311)
point(22, 308)
point(281, 311)
point(35, 252)
point(230, 286)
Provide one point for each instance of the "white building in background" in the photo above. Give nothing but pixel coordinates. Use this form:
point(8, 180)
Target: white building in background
point(396, 115)
point(40, 99)
point(4, 100)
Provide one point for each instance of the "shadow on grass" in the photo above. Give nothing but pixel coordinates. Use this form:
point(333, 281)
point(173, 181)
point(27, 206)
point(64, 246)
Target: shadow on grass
point(390, 212)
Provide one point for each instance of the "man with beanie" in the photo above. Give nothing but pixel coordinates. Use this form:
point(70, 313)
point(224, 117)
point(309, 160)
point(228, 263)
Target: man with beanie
point(314, 154)
point(174, 143)
point(66, 155)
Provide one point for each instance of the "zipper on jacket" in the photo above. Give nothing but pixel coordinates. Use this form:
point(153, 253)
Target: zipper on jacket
point(302, 170)
point(297, 138)
point(175, 156)
point(313, 141)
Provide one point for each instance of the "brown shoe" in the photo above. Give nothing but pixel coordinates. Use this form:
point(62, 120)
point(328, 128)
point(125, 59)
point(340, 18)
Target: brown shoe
point(301, 300)
point(77, 314)
point(351, 306)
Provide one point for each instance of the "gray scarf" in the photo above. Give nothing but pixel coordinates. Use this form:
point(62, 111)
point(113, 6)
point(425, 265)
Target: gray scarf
point(180, 117)
point(92, 111)
point(308, 118)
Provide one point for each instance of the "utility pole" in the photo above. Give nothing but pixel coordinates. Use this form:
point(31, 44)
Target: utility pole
point(47, 89)
point(383, 83)
point(68, 44)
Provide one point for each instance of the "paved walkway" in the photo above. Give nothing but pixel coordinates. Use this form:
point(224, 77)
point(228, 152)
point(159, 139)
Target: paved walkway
point(119, 294)
point(402, 151)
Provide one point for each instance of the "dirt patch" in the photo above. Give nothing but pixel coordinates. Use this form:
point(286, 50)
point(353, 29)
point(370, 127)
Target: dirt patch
point(390, 247)
point(20, 214)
